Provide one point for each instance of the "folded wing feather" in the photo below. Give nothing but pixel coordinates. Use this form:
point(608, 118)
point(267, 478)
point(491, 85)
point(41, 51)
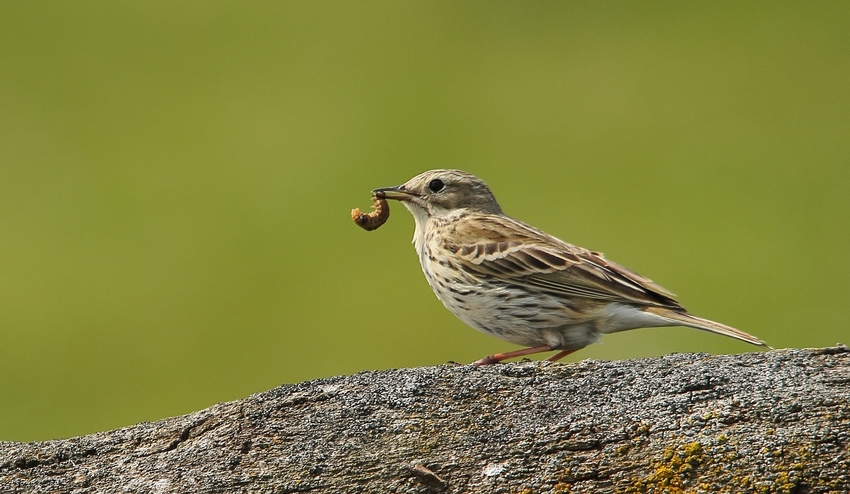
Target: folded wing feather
point(527, 256)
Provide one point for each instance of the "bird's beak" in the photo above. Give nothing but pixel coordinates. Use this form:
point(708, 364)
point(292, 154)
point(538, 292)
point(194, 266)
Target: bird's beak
point(398, 193)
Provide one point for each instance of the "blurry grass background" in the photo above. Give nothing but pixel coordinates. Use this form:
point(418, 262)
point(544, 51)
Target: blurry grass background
point(176, 180)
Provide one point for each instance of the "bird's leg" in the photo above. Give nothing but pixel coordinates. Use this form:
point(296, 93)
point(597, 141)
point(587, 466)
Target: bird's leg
point(498, 357)
point(560, 355)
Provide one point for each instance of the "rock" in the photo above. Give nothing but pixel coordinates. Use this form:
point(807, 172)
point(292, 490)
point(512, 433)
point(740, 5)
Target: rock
point(777, 421)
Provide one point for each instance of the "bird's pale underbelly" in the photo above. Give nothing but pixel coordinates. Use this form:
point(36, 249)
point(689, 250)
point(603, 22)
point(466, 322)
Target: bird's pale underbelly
point(510, 311)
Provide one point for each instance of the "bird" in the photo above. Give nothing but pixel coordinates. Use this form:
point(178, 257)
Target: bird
point(508, 279)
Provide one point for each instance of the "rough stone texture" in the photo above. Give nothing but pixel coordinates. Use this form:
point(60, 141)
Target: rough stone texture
point(758, 422)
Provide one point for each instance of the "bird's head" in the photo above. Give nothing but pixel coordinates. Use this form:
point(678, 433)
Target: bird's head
point(439, 193)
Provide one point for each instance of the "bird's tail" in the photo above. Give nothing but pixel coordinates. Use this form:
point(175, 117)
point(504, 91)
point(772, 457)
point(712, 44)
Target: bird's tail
point(690, 321)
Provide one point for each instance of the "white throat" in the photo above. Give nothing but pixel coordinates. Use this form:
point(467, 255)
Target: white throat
point(420, 218)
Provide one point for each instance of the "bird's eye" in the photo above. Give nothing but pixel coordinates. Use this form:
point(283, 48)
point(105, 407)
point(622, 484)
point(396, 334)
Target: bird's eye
point(436, 185)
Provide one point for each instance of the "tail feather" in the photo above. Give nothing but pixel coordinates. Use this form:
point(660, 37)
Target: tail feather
point(695, 322)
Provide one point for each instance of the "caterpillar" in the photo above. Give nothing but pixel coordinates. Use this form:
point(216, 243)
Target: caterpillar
point(374, 219)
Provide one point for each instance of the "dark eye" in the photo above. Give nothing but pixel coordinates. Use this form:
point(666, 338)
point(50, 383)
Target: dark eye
point(436, 185)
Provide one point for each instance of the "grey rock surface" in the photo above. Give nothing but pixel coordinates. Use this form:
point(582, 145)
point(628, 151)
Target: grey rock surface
point(758, 422)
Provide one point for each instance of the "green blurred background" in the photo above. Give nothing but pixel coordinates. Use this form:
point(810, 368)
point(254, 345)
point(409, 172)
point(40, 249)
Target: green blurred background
point(176, 180)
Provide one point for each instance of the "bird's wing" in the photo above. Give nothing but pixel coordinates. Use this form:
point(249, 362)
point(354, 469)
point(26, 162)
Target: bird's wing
point(503, 248)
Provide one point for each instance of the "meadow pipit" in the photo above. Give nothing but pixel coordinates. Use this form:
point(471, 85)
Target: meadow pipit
point(515, 282)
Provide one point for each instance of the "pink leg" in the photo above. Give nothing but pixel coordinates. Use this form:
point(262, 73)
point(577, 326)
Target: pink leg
point(496, 358)
point(560, 355)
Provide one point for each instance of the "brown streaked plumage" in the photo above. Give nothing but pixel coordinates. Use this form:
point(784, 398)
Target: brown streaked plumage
point(508, 279)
